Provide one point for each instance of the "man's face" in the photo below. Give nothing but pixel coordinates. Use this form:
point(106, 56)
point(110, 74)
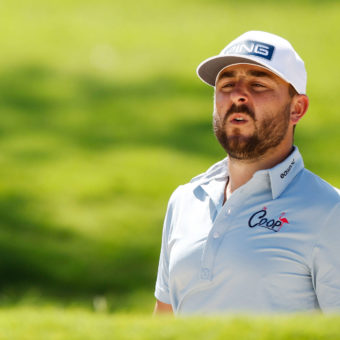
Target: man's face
point(252, 111)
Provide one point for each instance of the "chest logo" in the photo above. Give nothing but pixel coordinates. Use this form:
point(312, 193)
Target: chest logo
point(261, 219)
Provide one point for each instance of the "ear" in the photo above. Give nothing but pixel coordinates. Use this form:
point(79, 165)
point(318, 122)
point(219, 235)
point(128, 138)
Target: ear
point(298, 108)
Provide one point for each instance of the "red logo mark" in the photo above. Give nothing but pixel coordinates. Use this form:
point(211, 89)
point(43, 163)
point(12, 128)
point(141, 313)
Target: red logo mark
point(283, 220)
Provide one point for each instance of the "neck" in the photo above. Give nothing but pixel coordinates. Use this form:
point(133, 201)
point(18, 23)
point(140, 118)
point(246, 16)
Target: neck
point(241, 171)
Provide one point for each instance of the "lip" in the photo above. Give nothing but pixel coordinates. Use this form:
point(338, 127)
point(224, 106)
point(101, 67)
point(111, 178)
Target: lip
point(239, 118)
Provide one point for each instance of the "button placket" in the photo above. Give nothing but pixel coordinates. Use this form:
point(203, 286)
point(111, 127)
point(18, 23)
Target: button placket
point(205, 273)
point(211, 248)
point(220, 226)
point(216, 235)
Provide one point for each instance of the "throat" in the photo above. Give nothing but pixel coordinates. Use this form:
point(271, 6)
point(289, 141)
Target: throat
point(227, 192)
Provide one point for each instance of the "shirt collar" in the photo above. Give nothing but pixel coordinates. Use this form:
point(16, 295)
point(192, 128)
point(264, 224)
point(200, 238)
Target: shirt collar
point(283, 173)
point(213, 181)
point(280, 176)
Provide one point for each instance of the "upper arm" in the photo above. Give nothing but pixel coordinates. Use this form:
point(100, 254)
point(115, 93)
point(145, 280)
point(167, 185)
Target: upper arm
point(162, 308)
point(326, 263)
point(162, 289)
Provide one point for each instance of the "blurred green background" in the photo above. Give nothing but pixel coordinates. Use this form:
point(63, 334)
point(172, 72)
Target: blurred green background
point(103, 116)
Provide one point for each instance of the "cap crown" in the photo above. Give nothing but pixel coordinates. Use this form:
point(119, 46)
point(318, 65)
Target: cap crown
point(260, 48)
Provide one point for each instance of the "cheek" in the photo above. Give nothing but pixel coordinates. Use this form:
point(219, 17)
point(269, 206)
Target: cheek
point(221, 102)
point(216, 119)
point(266, 106)
point(272, 101)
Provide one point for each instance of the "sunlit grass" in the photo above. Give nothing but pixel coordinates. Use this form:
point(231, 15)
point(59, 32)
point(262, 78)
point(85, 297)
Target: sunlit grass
point(56, 323)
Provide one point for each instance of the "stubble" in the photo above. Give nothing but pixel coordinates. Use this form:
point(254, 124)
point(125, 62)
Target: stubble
point(268, 133)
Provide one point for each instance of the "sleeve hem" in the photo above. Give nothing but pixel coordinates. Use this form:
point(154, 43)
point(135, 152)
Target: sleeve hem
point(162, 296)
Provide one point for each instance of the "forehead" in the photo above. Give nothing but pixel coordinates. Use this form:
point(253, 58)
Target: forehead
point(248, 70)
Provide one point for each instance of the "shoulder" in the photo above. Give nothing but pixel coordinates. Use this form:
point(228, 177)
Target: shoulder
point(314, 185)
point(317, 199)
point(184, 191)
point(216, 170)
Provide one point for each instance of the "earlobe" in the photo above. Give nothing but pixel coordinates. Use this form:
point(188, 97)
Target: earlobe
point(295, 117)
point(299, 108)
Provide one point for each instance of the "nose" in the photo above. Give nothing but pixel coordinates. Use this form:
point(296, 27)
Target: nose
point(239, 94)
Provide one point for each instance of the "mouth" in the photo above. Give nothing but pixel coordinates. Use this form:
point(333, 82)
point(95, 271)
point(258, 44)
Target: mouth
point(238, 119)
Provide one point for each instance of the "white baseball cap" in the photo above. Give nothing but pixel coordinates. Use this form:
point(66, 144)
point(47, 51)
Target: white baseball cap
point(260, 48)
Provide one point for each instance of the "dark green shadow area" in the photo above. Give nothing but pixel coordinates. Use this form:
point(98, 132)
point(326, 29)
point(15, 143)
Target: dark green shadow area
point(57, 263)
point(95, 114)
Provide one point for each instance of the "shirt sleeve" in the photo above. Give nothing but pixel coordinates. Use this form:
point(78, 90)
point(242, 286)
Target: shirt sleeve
point(326, 263)
point(162, 290)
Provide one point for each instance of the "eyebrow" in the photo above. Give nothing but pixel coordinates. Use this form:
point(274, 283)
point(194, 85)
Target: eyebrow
point(260, 74)
point(255, 73)
point(228, 74)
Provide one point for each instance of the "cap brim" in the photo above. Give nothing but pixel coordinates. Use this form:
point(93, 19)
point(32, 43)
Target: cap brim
point(210, 68)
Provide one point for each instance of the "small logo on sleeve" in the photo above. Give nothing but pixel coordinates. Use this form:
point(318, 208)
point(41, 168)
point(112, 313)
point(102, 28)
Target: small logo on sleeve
point(251, 47)
point(261, 219)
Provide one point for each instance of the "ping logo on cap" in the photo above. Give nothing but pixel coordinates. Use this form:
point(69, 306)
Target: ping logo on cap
point(251, 47)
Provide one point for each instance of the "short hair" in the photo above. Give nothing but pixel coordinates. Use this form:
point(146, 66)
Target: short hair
point(292, 91)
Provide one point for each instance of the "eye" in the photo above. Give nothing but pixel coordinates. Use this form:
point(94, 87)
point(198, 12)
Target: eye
point(258, 86)
point(227, 85)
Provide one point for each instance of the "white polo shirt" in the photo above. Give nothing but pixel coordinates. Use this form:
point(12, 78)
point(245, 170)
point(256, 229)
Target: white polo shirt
point(274, 246)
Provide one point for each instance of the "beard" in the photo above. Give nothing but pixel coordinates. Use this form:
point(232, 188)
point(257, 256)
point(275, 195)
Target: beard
point(268, 133)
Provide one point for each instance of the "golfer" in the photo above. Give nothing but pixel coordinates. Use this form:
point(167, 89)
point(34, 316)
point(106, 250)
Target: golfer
point(257, 232)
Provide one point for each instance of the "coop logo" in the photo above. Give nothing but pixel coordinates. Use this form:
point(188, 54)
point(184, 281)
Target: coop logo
point(251, 47)
point(286, 172)
point(260, 219)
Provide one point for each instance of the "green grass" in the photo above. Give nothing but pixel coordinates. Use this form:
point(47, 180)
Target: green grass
point(52, 324)
point(102, 117)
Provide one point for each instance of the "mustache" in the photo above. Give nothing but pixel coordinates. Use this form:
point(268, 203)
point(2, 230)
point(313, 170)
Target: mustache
point(240, 109)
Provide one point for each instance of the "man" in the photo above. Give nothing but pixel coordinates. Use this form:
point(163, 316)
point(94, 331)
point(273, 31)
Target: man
point(256, 232)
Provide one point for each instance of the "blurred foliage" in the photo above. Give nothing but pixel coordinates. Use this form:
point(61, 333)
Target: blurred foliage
point(102, 117)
